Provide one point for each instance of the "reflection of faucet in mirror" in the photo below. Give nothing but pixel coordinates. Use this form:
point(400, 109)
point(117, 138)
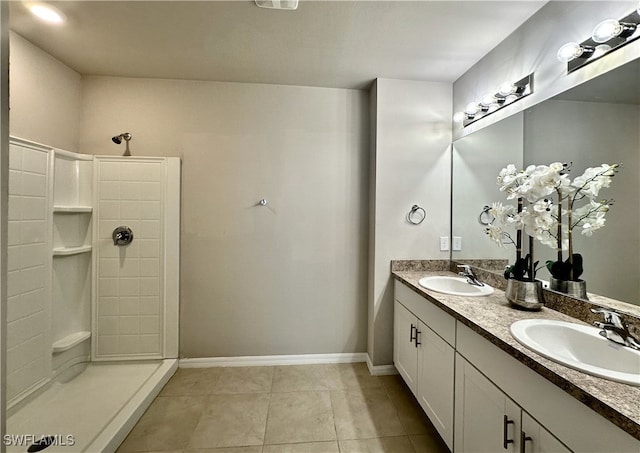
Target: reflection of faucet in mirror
point(468, 273)
point(615, 328)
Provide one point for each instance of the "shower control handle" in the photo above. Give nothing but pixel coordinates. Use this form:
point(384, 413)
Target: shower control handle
point(122, 236)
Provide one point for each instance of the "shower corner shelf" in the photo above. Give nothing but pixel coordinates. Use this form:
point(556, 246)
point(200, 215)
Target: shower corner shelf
point(66, 251)
point(70, 209)
point(71, 340)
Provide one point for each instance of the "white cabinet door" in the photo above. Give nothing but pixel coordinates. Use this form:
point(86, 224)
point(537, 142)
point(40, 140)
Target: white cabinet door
point(537, 439)
point(405, 353)
point(486, 420)
point(435, 381)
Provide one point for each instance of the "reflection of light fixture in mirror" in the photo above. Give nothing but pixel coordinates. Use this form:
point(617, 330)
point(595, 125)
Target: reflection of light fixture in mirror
point(458, 117)
point(572, 50)
point(506, 94)
point(506, 89)
point(488, 103)
point(471, 109)
point(601, 50)
point(509, 99)
point(615, 33)
point(611, 28)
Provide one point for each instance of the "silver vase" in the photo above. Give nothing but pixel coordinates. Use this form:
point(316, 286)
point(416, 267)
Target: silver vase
point(527, 295)
point(570, 288)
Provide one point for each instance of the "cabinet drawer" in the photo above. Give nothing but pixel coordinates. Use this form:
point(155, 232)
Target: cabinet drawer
point(439, 321)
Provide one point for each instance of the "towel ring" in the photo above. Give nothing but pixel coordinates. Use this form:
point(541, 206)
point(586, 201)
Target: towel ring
point(417, 215)
point(485, 218)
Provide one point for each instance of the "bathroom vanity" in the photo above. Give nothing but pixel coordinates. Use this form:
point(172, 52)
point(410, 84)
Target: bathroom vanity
point(483, 391)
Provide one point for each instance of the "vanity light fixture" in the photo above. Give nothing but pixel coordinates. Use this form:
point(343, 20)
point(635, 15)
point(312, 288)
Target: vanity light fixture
point(611, 28)
point(572, 50)
point(506, 94)
point(607, 36)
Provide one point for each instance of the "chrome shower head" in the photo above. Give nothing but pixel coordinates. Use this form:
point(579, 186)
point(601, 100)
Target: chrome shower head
point(118, 139)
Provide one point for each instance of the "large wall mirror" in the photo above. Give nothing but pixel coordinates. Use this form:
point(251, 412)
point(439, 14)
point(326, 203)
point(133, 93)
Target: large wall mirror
point(594, 123)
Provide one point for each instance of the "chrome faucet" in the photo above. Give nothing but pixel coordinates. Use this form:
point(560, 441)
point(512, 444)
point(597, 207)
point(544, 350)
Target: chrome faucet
point(469, 275)
point(615, 328)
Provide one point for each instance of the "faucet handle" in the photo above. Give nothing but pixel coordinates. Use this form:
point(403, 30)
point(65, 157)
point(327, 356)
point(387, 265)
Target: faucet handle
point(466, 267)
point(611, 317)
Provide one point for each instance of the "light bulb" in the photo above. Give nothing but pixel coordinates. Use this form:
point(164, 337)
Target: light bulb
point(572, 50)
point(471, 108)
point(601, 50)
point(509, 99)
point(46, 13)
point(459, 117)
point(611, 28)
point(492, 108)
point(506, 89)
point(488, 100)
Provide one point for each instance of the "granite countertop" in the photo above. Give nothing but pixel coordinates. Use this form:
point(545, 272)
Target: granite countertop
point(491, 317)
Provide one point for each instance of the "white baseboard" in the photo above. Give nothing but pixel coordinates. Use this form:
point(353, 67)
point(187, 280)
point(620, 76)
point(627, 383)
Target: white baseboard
point(270, 360)
point(380, 370)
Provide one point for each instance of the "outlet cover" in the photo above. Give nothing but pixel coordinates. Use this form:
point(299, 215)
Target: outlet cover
point(457, 243)
point(444, 243)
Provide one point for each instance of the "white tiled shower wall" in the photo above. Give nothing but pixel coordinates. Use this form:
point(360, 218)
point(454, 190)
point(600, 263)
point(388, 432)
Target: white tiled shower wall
point(129, 281)
point(28, 287)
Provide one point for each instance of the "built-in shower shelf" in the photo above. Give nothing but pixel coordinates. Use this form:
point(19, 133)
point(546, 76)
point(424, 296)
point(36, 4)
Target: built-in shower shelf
point(65, 251)
point(71, 340)
point(71, 209)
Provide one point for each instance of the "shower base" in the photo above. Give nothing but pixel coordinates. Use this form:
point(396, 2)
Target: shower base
point(94, 411)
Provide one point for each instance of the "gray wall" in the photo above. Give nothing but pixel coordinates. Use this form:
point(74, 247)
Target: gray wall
point(477, 160)
point(598, 133)
point(45, 97)
point(288, 278)
point(412, 165)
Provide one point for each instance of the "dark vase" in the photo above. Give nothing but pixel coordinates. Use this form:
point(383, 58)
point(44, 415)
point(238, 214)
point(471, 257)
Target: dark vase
point(570, 288)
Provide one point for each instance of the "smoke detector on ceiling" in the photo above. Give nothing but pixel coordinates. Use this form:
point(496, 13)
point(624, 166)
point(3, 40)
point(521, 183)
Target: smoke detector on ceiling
point(277, 4)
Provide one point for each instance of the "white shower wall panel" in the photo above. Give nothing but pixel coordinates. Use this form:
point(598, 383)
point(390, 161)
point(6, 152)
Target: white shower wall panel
point(28, 279)
point(129, 280)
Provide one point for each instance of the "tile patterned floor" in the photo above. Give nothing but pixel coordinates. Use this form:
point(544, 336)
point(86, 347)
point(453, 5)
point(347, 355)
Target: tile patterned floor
point(338, 408)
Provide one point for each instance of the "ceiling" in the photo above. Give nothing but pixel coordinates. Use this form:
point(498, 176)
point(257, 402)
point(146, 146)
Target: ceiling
point(342, 44)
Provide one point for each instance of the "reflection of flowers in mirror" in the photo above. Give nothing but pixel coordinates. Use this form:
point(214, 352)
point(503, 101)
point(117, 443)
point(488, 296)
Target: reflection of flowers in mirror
point(546, 220)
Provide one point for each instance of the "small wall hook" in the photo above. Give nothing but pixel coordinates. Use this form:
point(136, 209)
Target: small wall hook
point(263, 202)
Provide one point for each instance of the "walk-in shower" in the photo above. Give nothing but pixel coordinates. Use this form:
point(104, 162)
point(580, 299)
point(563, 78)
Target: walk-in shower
point(92, 322)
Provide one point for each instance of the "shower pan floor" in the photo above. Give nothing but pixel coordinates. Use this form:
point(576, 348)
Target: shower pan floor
point(94, 411)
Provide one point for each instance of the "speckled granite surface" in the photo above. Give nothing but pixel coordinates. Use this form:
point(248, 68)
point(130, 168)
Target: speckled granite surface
point(576, 308)
point(491, 317)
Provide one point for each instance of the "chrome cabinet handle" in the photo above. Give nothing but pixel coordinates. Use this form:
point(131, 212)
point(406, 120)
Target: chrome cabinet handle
point(505, 435)
point(523, 442)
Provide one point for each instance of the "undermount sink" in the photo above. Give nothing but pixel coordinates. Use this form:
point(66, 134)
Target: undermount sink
point(455, 286)
point(579, 347)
